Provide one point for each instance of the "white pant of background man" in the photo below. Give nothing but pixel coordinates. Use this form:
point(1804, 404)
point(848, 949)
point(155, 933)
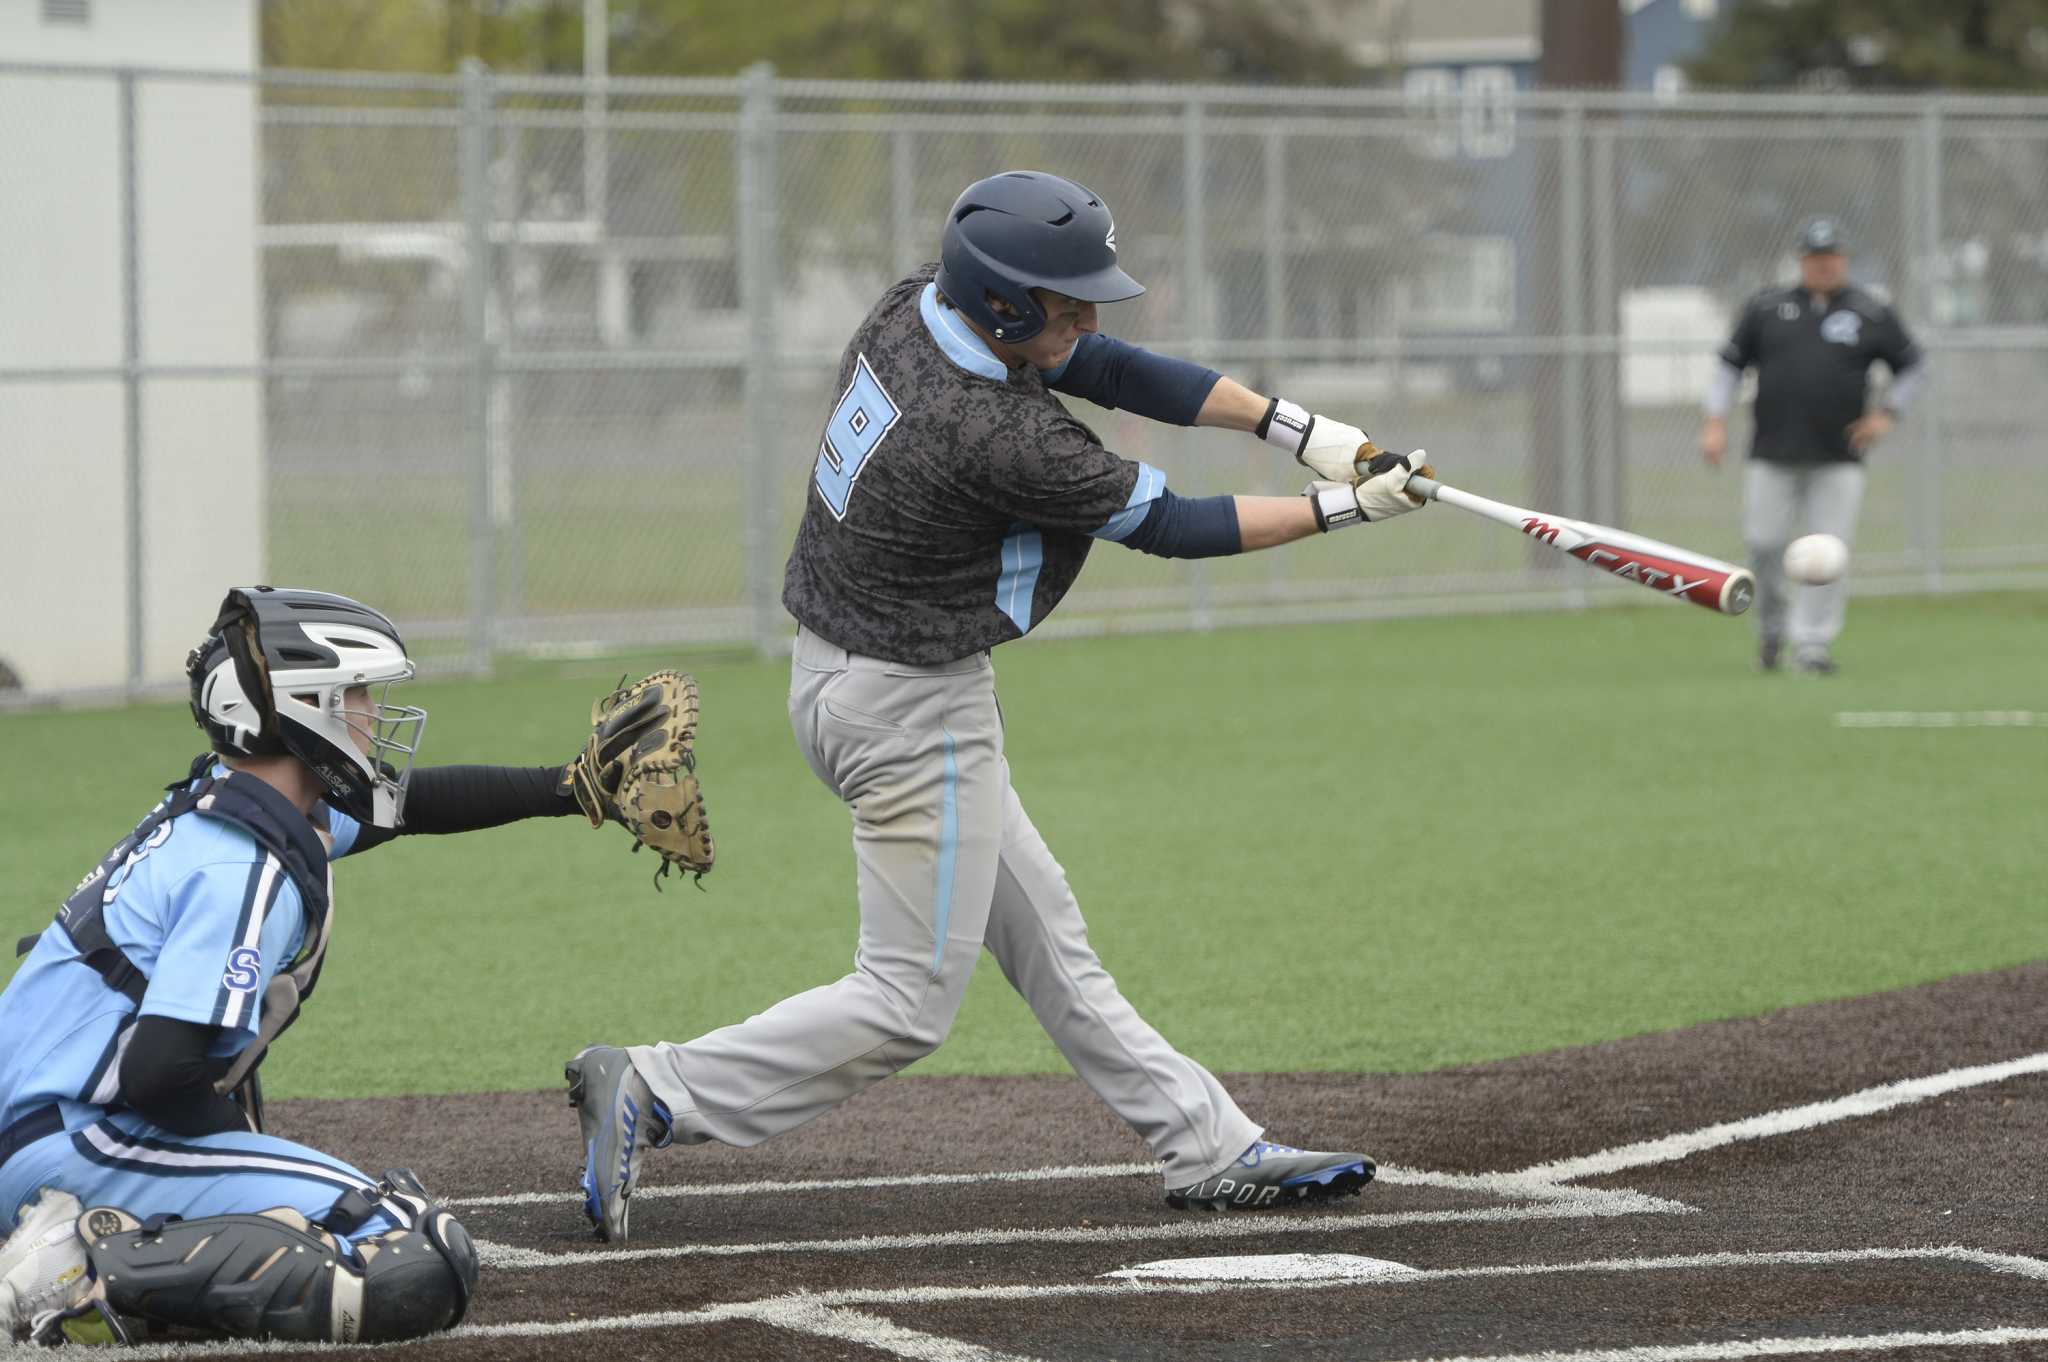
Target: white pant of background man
point(1781, 502)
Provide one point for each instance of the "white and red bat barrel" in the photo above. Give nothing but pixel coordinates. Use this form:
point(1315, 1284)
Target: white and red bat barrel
point(1679, 573)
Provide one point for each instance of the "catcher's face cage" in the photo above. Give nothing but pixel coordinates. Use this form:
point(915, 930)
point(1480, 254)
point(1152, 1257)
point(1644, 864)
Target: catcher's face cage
point(391, 734)
point(362, 753)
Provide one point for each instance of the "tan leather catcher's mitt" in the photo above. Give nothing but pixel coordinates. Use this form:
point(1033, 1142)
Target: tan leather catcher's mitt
point(640, 769)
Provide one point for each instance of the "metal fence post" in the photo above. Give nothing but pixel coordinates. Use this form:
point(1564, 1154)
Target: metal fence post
point(1196, 312)
point(759, 296)
point(1571, 267)
point(1929, 416)
point(1572, 282)
point(911, 246)
point(131, 371)
point(1611, 359)
point(1273, 236)
point(475, 177)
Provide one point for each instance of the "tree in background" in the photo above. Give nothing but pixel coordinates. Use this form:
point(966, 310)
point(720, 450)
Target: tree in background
point(1004, 40)
point(1879, 45)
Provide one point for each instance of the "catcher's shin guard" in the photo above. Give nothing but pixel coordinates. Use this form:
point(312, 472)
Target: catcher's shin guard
point(279, 1275)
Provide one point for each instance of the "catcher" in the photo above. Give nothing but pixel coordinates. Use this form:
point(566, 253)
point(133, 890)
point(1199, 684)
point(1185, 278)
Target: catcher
point(131, 1121)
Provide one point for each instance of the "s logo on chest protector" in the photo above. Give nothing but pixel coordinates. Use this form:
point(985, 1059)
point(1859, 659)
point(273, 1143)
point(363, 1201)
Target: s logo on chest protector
point(1843, 328)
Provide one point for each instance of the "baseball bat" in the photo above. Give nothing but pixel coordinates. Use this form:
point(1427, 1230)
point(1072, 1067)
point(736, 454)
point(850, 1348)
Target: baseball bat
point(1689, 576)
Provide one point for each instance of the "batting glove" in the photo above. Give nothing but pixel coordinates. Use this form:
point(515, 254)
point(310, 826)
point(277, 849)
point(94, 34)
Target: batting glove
point(1382, 493)
point(1329, 447)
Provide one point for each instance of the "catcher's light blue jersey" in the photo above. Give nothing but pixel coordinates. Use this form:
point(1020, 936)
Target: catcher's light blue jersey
point(205, 913)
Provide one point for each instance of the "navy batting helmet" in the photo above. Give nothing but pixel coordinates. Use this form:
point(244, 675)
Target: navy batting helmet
point(1025, 229)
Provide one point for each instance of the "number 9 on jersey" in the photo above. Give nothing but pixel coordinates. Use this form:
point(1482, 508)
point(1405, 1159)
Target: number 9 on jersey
point(864, 415)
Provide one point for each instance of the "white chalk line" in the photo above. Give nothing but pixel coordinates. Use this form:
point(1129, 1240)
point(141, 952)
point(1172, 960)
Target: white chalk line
point(797, 1310)
point(880, 1334)
point(1545, 1184)
point(1497, 1184)
point(1541, 1181)
point(1609, 1203)
point(1867, 1102)
point(1940, 718)
point(1075, 1173)
point(1771, 1347)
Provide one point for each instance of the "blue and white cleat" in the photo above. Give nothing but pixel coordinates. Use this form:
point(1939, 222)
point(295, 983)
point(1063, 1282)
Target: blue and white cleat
point(1271, 1176)
point(622, 1119)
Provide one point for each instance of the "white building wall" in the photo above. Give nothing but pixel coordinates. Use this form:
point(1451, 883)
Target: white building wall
point(63, 524)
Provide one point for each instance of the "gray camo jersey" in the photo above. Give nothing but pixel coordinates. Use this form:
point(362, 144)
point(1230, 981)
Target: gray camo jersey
point(948, 511)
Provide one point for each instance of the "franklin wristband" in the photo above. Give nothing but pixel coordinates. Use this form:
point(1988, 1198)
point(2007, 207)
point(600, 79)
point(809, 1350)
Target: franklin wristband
point(1285, 426)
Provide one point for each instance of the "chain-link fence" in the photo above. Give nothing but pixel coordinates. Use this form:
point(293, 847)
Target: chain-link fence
point(539, 365)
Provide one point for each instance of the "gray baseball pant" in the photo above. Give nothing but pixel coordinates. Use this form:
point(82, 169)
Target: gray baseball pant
point(1781, 502)
point(948, 863)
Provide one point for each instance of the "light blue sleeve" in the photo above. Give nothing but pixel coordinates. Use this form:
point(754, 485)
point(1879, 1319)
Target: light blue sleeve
point(229, 926)
point(343, 829)
point(1149, 487)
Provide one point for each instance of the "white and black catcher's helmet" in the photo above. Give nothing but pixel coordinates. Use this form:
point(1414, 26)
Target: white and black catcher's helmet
point(270, 679)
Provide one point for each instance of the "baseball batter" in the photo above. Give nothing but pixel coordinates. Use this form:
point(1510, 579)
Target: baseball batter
point(953, 501)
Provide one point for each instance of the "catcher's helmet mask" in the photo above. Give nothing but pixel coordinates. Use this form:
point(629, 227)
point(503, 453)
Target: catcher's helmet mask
point(272, 677)
point(1025, 229)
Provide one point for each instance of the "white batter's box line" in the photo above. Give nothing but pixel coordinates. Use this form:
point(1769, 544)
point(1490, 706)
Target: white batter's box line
point(1854, 1344)
point(791, 1310)
point(1074, 1173)
point(1615, 1202)
point(1498, 1184)
point(1940, 718)
point(1868, 1101)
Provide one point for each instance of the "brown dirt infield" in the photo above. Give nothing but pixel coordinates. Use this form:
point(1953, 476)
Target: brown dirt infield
point(1015, 1267)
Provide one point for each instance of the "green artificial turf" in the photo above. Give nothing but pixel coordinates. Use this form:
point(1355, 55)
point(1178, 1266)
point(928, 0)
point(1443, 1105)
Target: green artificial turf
point(1386, 846)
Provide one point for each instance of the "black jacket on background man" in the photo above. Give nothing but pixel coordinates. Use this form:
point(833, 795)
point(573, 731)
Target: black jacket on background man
point(1813, 363)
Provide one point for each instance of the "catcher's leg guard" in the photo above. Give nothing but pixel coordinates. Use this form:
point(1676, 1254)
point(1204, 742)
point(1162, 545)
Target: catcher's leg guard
point(279, 1275)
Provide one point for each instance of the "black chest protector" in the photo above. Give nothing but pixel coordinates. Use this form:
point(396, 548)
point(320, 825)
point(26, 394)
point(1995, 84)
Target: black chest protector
point(280, 829)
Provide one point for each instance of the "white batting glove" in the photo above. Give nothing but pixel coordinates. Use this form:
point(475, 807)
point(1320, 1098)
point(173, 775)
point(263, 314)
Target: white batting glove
point(1317, 442)
point(1382, 493)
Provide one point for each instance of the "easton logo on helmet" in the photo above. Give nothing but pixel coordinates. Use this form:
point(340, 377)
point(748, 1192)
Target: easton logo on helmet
point(1110, 240)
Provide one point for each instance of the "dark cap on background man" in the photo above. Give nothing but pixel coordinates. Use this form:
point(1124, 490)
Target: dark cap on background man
point(1822, 236)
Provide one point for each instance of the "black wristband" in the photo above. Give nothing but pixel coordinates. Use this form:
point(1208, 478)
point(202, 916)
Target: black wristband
point(1266, 422)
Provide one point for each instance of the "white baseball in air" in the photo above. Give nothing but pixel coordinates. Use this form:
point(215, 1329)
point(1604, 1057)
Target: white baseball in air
point(1816, 559)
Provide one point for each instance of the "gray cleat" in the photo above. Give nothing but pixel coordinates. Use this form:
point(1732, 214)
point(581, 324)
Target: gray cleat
point(1270, 1176)
point(43, 1268)
point(622, 1119)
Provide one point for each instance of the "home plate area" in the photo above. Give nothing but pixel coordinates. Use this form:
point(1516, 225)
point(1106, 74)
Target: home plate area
point(1855, 1178)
